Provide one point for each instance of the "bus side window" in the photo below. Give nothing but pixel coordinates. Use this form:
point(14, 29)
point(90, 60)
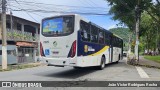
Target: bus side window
point(120, 43)
point(94, 31)
point(113, 41)
point(101, 37)
point(116, 42)
point(85, 31)
point(107, 38)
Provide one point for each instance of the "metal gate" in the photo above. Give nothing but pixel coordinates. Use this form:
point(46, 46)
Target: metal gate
point(26, 54)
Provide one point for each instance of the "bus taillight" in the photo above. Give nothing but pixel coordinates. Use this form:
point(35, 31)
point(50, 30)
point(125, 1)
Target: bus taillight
point(73, 53)
point(41, 50)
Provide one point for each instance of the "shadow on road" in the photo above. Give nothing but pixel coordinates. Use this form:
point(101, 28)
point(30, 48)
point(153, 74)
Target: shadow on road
point(71, 73)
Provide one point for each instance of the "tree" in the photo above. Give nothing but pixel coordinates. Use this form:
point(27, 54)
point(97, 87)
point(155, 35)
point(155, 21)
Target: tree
point(149, 31)
point(154, 12)
point(124, 10)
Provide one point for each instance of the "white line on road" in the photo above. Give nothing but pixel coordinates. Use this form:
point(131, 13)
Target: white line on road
point(142, 73)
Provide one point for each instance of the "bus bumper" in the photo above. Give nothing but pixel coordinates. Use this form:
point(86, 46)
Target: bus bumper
point(60, 62)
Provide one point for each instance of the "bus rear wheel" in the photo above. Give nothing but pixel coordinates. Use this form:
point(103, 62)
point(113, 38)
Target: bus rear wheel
point(102, 65)
point(77, 67)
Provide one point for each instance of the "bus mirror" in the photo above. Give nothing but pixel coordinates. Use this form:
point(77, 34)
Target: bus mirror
point(124, 45)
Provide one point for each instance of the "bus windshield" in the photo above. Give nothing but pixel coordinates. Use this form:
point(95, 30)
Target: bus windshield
point(59, 26)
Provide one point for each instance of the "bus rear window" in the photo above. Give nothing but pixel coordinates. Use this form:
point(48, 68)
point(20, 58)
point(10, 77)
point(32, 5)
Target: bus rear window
point(59, 26)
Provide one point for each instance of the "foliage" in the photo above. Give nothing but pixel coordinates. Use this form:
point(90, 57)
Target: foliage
point(124, 10)
point(154, 12)
point(121, 32)
point(19, 36)
point(148, 31)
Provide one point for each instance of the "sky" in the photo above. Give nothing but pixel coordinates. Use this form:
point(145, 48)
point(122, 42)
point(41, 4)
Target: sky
point(59, 6)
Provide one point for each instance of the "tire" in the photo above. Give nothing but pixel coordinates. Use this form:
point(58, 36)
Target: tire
point(102, 65)
point(77, 67)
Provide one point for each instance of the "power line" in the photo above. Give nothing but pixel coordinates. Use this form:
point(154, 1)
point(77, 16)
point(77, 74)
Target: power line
point(86, 3)
point(38, 14)
point(23, 10)
point(93, 3)
point(44, 11)
point(59, 5)
point(54, 11)
point(33, 5)
point(88, 9)
point(51, 11)
point(27, 12)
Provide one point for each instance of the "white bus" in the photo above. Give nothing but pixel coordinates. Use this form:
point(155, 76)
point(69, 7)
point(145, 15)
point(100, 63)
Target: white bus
point(70, 40)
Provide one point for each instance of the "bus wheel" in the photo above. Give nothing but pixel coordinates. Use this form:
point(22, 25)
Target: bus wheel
point(102, 65)
point(77, 67)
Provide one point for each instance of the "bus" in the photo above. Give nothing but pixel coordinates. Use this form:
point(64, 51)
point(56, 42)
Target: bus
point(71, 40)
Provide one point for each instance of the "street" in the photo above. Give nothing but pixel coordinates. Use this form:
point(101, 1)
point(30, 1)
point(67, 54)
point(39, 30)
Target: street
point(112, 72)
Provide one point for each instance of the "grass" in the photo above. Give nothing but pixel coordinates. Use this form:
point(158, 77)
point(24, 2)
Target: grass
point(20, 66)
point(153, 58)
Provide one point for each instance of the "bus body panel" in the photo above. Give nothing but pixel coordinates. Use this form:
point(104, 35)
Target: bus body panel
point(90, 54)
point(85, 61)
point(57, 49)
point(61, 61)
point(116, 54)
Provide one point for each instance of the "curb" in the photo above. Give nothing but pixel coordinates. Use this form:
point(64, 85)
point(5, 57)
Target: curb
point(148, 66)
point(132, 61)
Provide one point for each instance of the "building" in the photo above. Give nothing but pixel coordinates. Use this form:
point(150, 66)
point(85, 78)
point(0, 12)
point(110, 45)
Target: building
point(22, 40)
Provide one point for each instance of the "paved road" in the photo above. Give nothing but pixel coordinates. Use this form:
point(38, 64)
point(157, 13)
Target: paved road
point(112, 72)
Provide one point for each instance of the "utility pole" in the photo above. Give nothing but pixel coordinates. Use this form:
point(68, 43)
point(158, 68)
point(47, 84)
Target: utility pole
point(138, 14)
point(4, 40)
point(11, 20)
point(157, 41)
point(129, 44)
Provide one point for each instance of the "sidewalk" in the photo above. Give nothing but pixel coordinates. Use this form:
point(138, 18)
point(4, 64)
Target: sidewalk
point(22, 66)
point(145, 62)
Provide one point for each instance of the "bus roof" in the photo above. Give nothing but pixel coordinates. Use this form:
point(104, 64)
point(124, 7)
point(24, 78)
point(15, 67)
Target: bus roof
point(101, 27)
point(59, 16)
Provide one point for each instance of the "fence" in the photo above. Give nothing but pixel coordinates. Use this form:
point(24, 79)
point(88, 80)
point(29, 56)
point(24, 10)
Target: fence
point(26, 55)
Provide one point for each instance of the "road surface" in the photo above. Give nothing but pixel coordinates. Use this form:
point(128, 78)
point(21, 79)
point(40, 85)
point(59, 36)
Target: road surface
point(112, 72)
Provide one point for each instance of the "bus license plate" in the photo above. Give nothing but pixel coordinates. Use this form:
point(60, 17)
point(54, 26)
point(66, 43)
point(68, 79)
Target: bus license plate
point(55, 52)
